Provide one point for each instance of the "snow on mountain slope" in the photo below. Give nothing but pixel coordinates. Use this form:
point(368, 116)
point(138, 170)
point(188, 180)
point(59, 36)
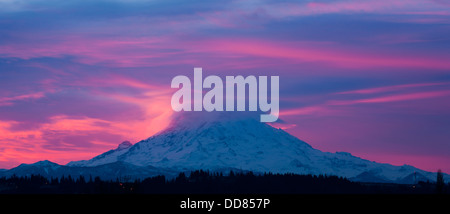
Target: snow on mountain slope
point(199, 140)
point(111, 171)
point(107, 157)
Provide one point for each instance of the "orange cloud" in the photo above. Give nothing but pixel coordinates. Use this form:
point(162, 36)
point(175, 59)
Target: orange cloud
point(66, 138)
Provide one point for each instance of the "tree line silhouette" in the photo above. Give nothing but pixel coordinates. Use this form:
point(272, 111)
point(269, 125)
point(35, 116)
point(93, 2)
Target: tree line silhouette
point(205, 182)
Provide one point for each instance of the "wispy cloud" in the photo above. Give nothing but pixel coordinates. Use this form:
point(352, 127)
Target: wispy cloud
point(376, 95)
point(10, 100)
point(393, 98)
point(289, 9)
point(392, 88)
point(304, 52)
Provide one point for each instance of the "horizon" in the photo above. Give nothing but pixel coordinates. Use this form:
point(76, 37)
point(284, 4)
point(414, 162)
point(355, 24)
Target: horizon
point(370, 78)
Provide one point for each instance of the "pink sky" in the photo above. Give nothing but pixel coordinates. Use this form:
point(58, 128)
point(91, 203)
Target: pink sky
point(368, 77)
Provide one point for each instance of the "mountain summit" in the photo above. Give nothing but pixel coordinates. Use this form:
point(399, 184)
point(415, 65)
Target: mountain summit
point(217, 141)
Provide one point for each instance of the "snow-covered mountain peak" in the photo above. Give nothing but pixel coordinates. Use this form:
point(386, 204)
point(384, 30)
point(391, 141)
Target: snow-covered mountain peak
point(214, 141)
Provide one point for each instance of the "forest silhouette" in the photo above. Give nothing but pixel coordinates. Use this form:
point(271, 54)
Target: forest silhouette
point(205, 182)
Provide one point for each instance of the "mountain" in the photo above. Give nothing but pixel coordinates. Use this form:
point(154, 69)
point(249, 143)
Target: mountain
point(217, 141)
point(110, 171)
